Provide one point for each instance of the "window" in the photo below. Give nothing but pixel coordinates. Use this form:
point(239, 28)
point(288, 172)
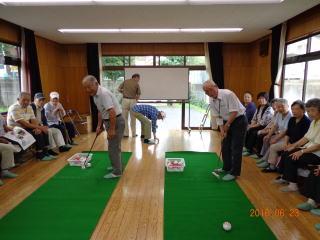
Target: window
point(301, 69)
point(198, 99)
point(171, 60)
point(293, 81)
point(111, 79)
point(195, 60)
point(9, 75)
point(315, 43)
point(141, 61)
point(115, 61)
point(313, 80)
point(297, 48)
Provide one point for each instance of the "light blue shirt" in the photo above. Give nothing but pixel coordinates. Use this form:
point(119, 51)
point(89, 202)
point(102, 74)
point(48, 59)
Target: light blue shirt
point(282, 122)
point(53, 118)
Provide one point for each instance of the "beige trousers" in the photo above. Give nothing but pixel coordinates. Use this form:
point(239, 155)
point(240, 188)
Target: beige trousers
point(145, 124)
point(7, 157)
point(127, 105)
point(55, 138)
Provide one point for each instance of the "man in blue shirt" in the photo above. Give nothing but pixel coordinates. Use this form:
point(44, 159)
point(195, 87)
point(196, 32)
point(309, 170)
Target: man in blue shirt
point(148, 116)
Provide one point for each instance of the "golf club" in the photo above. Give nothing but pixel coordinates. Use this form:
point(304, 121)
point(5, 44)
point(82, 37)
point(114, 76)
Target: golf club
point(85, 163)
point(218, 164)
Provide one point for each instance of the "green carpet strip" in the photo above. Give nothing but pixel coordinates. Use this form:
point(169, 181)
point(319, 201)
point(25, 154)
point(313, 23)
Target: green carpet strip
point(196, 204)
point(68, 206)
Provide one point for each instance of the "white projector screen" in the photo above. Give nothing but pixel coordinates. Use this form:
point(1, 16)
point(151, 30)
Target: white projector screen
point(162, 83)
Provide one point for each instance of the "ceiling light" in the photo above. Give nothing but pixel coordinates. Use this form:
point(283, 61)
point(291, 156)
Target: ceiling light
point(211, 29)
point(150, 30)
point(91, 30)
point(207, 2)
point(134, 2)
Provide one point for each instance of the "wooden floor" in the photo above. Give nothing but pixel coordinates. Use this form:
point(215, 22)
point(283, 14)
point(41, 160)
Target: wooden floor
point(135, 210)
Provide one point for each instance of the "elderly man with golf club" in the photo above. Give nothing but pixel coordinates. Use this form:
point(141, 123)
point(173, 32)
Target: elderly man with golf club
point(109, 115)
point(232, 122)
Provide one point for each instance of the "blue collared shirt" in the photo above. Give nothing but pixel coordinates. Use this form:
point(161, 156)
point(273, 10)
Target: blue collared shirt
point(150, 112)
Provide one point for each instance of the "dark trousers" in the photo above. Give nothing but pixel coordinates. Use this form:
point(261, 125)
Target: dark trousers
point(232, 146)
point(290, 172)
point(312, 187)
point(42, 139)
point(70, 129)
point(251, 138)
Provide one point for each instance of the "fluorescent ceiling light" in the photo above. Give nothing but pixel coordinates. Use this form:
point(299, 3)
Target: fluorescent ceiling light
point(150, 30)
point(134, 2)
point(91, 30)
point(208, 2)
point(140, 1)
point(211, 29)
point(46, 1)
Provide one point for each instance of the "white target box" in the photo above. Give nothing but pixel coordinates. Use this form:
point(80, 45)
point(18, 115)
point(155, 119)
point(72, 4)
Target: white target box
point(78, 159)
point(175, 164)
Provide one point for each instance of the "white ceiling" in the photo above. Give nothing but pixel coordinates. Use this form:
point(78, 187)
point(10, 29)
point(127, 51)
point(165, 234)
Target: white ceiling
point(256, 20)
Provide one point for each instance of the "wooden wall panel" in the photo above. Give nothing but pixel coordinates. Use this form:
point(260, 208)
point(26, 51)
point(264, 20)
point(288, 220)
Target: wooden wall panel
point(245, 70)
point(164, 49)
point(304, 24)
point(62, 68)
point(9, 32)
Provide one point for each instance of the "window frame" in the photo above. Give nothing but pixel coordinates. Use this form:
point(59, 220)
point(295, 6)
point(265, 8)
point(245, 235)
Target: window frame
point(304, 58)
point(13, 62)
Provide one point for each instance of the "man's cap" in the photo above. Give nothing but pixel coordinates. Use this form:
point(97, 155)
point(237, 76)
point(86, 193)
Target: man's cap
point(39, 96)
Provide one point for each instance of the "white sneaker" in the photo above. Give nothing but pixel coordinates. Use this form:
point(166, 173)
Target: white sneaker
point(111, 175)
point(279, 181)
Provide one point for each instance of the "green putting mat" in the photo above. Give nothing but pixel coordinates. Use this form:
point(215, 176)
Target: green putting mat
point(68, 206)
point(196, 204)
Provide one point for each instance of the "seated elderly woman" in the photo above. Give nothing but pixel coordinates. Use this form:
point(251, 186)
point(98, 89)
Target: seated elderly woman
point(305, 151)
point(260, 120)
point(298, 126)
point(250, 106)
point(311, 190)
point(259, 146)
point(54, 113)
point(6, 152)
point(275, 137)
point(21, 114)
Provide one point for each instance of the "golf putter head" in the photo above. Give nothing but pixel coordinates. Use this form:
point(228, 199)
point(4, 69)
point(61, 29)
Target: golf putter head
point(216, 175)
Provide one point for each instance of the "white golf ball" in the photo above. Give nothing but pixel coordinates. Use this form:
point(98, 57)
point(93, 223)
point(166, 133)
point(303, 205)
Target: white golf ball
point(88, 164)
point(227, 226)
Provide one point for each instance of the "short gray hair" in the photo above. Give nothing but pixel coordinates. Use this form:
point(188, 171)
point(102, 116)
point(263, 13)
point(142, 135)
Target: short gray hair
point(24, 94)
point(89, 78)
point(282, 101)
point(209, 83)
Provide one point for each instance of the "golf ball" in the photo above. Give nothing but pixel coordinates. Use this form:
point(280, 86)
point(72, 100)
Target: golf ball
point(227, 226)
point(88, 164)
